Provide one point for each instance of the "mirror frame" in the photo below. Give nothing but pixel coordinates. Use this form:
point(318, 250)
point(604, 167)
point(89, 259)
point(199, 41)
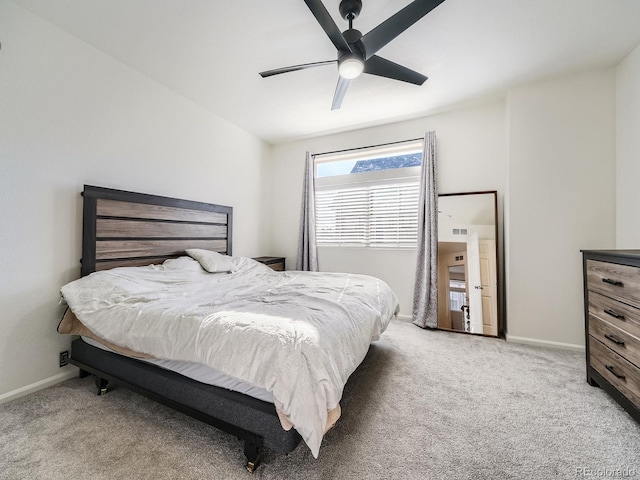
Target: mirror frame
point(499, 285)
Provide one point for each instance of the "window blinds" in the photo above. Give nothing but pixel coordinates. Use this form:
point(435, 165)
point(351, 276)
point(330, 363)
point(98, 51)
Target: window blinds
point(374, 215)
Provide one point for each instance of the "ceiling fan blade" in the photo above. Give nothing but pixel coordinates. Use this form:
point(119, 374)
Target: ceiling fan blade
point(341, 89)
point(328, 25)
point(395, 25)
point(294, 68)
point(385, 68)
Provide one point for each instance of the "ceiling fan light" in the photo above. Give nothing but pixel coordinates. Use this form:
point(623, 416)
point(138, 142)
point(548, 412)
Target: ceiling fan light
point(350, 67)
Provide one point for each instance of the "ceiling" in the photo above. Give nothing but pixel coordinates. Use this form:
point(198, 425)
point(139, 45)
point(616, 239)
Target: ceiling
point(211, 51)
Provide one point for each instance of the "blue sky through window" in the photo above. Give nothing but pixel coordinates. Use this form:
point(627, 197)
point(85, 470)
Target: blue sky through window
point(346, 167)
point(331, 169)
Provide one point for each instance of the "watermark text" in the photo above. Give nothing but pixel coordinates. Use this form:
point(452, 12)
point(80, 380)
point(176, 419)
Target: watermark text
point(608, 472)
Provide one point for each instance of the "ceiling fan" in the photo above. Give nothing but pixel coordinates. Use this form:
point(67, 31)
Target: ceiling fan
point(357, 52)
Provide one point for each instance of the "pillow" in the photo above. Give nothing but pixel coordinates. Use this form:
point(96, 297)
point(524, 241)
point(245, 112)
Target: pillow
point(180, 263)
point(212, 262)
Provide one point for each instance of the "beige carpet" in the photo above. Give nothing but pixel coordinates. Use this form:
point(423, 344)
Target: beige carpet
point(424, 404)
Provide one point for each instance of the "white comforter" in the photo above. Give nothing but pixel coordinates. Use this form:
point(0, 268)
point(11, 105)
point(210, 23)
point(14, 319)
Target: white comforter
point(297, 334)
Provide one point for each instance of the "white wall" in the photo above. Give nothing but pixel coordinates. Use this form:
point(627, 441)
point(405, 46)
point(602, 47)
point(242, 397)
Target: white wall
point(472, 157)
point(70, 115)
point(561, 198)
point(628, 151)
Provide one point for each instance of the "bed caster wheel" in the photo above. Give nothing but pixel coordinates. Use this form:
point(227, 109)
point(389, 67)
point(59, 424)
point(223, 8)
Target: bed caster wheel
point(252, 446)
point(101, 383)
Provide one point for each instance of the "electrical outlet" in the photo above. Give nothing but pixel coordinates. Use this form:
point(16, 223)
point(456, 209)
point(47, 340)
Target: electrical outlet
point(64, 358)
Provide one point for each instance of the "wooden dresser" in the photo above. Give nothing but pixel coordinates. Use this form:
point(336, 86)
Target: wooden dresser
point(612, 319)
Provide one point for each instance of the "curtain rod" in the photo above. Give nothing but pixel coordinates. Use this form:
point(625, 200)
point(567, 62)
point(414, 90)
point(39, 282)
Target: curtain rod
point(368, 146)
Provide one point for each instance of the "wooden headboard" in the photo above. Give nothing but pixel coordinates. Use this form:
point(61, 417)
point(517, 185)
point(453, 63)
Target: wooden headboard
point(123, 228)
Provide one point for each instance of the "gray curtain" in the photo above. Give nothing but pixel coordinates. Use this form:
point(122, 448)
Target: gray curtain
point(307, 249)
point(425, 293)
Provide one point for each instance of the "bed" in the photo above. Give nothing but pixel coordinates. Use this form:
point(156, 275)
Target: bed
point(167, 237)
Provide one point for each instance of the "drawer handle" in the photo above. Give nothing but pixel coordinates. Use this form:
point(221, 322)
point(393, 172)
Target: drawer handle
point(614, 339)
point(612, 370)
point(615, 283)
point(608, 311)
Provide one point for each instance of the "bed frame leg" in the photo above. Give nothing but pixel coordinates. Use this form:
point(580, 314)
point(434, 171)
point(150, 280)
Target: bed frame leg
point(101, 383)
point(252, 446)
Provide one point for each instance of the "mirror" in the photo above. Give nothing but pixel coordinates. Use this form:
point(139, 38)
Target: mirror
point(468, 263)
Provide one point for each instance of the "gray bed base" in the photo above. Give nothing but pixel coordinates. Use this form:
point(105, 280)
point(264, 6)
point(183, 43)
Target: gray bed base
point(252, 420)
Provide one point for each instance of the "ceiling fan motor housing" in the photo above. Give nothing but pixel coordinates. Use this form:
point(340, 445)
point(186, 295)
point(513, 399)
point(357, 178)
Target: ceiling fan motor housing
point(352, 37)
point(350, 9)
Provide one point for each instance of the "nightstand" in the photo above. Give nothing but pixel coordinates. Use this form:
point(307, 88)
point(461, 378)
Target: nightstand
point(276, 263)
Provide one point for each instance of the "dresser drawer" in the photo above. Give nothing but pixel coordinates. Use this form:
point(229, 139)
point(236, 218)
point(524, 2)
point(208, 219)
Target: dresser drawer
point(615, 369)
point(618, 281)
point(617, 340)
point(616, 313)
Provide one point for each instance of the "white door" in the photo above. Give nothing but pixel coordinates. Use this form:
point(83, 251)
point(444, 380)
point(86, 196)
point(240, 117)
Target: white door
point(475, 285)
point(489, 282)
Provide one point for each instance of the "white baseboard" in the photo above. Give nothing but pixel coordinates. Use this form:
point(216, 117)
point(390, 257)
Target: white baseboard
point(545, 343)
point(34, 387)
point(524, 340)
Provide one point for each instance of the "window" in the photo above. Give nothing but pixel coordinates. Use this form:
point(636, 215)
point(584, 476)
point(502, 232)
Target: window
point(369, 197)
point(457, 294)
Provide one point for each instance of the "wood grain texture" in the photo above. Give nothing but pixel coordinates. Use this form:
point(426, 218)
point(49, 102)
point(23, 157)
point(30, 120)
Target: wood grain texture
point(600, 274)
point(602, 357)
point(120, 228)
point(278, 267)
point(137, 262)
point(620, 341)
point(616, 313)
point(612, 314)
point(275, 263)
point(122, 249)
point(115, 208)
